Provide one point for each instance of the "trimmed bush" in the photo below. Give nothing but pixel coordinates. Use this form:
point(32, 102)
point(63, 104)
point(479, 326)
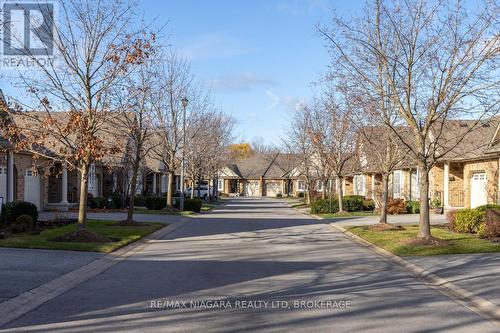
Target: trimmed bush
point(369, 205)
point(192, 205)
point(486, 207)
point(491, 225)
point(396, 206)
point(450, 219)
point(155, 203)
point(300, 195)
point(139, 201)
point(15, 209)
point(98, 202)
point(21, 224)
point(116, 201)
point(413, 207)
point(353, 203)
point(322, 206)
point(468, 220)
point(279, 195)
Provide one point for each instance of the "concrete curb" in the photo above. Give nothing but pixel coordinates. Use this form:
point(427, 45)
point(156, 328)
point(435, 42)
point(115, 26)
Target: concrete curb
point(466, 298)
point(31, 299)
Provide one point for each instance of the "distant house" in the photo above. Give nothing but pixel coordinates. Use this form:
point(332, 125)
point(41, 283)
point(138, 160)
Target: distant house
point(258, 175)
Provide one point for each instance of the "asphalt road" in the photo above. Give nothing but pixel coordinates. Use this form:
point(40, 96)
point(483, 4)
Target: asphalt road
point(242, 255)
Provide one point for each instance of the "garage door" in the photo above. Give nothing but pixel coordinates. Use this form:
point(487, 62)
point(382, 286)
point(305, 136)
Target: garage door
point(273, 188)
point(32, 188)
point(251, 189)
point(478, 190)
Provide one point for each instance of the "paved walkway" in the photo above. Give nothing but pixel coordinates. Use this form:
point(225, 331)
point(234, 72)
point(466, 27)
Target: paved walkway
point(394, 219)
point(479, 272)
point(253, 250)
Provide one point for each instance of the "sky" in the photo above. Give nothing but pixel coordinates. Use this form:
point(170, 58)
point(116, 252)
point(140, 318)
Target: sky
point(258, 57)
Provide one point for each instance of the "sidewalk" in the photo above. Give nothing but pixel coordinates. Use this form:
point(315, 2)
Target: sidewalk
point(478, 273)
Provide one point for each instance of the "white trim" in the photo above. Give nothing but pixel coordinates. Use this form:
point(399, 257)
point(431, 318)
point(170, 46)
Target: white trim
point(446, 184)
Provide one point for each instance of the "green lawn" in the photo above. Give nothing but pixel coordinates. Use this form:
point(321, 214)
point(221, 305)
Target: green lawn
point(124, 236)
point(299, 205)
point(346, 214)
point(393, 241)
point(207, 206)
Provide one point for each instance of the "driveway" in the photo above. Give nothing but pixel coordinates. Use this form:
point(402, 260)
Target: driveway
point(25, 269)
point(246, 253)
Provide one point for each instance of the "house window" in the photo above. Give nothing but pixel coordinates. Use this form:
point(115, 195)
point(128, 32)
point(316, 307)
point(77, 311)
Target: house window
point(220, 184)
point(397, 183)
point(319, 186)
point(29, 173)
point(163, 183)
point(301, 186)
point(91, 178)
point(359, 184)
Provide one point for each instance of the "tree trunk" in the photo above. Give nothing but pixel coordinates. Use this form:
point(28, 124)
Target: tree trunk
point(385, 198)
point(133, 185)
point(340, 194)
point(170, 189)
point(424, 226)
point(192, 188)
point(323, 189)
point(199, 187)
point(82, 209)
point(308, 192)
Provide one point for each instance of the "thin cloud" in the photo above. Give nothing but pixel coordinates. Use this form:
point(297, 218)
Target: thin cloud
point(241, 82)
point(300, 7)
point(215, 45)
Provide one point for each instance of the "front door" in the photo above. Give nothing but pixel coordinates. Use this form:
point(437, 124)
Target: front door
point(478, 190)
point(32, 188)
point(233, 186)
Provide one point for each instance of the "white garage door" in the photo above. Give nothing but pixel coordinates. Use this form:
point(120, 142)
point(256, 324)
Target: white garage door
point(32, 188)
point(251, 189)
point(272, 189)
point(478, 190)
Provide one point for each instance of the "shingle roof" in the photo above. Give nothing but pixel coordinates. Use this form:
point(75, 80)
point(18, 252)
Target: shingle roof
point(269, 166)
point(108, 132)
point(481, 139)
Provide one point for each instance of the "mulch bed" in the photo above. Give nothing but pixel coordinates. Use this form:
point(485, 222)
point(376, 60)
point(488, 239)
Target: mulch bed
point(82, 236)
point(386, 227)
point(126, 223)
point(432, 241)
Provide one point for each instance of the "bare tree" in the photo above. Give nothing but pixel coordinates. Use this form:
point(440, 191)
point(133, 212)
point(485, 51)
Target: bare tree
point(95, 51)
point(175, 82)
point(136, 103)
point(438, 61)
point(339, 139)
point(298, 142)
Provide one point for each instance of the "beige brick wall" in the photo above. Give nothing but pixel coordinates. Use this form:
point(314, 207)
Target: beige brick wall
point(490, 167)
point(436, 177)
point(349, 188)
point(456, 185)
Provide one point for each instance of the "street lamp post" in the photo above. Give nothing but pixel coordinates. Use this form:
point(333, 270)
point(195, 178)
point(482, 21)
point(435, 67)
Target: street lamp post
point(183, 160)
